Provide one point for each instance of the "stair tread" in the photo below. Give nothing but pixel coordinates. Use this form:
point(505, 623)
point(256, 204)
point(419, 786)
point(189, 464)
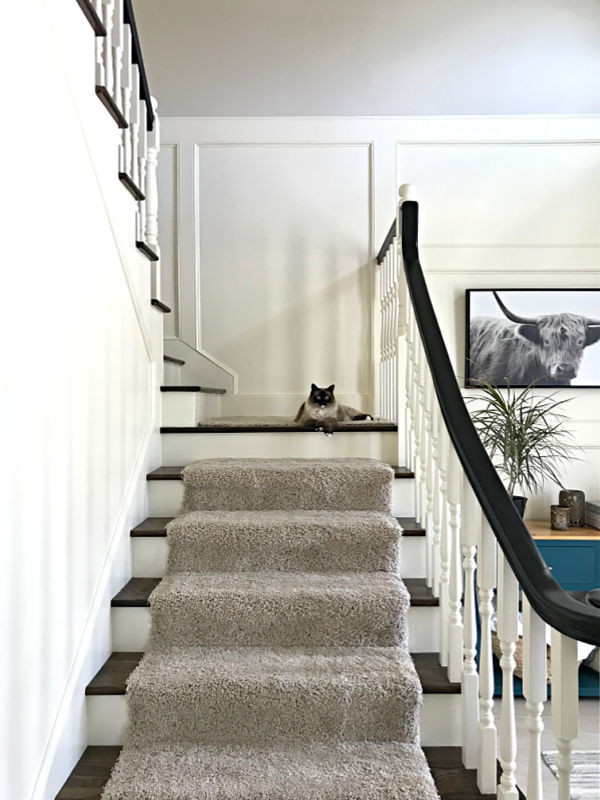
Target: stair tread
point(92, 771)
point(176, 473)
point(203, 389)
point(327, 770)
point(111, 678)
point(173, 360)
point(157, 526)
point(215, 427)
point(137, 591)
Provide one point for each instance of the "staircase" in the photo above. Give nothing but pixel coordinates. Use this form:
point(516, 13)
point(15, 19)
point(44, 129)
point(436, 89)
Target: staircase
point(290, 636)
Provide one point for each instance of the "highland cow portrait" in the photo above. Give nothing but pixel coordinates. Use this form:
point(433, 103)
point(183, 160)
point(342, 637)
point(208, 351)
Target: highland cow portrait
point(522, 336)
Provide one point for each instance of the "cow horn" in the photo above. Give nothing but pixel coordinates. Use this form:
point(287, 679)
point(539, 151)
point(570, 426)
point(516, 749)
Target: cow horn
point(592, 323)
point(514, 317)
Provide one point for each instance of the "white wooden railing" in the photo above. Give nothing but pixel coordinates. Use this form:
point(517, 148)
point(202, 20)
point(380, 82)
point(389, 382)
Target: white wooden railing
point(121, 85)
point(466, 568)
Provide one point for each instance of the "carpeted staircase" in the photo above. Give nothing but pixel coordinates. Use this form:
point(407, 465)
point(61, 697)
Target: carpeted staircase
point(278, 666)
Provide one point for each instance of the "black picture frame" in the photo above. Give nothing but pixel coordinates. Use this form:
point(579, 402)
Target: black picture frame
point(470, 382)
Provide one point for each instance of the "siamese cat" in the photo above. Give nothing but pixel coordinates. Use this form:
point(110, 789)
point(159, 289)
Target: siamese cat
point(322, 411)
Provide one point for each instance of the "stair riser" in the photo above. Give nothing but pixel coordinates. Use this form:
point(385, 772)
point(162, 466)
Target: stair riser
point(183, 448)
point(171, 374)
point(131, 629)
point(440, 719)
point(149, 556)
point(165, 497)
point(189, 408)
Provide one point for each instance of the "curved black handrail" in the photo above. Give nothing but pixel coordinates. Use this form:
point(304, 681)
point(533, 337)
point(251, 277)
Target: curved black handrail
point(137, 58)
point(577, 619)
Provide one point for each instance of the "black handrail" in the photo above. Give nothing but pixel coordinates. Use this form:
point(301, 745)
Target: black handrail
point(386, 242)
point(576, 618)
point(137, 58)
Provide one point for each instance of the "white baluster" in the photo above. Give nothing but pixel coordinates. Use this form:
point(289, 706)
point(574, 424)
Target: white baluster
point(436, 499)
point(565, 706)
point(135, 127)
point(126, 84)
point(117, 51)
point(142, 156)
point(417, 355)
point(535, 691)
point(455, 625)
point(99, 45)
point(408, 429)
point(107, 54)
point(152, 199)
point(444, 542)
point(471, 523)
point(508, 632)
point(428, 482)
point(486, 581)
point(422, 483)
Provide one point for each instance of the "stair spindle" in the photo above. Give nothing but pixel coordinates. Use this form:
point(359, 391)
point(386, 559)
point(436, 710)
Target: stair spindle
point(455, 625)
point(565, 706)
point(471, 522)
point(444, 543)
point(486, 583)
point(508, 632)
point(535, 692)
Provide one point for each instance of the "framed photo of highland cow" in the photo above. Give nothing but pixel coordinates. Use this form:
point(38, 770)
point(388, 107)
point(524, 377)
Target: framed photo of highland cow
point(550, 337)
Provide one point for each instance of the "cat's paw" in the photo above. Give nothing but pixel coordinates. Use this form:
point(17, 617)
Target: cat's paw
point(369, 418)
point(329, 434)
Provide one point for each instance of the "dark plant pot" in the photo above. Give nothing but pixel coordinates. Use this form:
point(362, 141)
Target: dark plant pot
point(520, 503)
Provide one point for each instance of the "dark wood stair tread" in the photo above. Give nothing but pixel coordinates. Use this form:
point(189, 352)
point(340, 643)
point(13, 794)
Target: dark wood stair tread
point(433, 677)
point(410, 526)
point(452, 780)
point(111, 678)
point(160, 305)
point(136, 592)
point(202, 389)
point(109, 104)
point(176, 474)
point(152, 526)
point(214, 428)
point(147, 251)
point(173, 360)
point(403, 472)
point(157, 526)
point(131, 187)
point(92, 17)
point(420, 593)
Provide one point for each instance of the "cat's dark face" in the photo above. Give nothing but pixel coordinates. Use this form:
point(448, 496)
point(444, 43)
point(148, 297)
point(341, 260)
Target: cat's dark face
point(322, 397)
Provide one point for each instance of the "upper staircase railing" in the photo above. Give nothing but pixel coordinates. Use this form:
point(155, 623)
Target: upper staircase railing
point(122, 87)
point(479, 551)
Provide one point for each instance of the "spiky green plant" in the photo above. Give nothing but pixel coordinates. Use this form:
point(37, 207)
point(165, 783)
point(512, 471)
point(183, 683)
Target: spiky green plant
point(525, 435)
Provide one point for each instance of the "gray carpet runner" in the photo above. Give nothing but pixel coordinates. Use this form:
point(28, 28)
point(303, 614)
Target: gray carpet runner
point(278, 666)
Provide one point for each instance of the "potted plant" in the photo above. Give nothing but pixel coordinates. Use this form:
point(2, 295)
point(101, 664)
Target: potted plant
point(525, 436)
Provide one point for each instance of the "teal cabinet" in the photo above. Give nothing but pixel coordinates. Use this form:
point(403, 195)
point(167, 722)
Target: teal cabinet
point(575, 563)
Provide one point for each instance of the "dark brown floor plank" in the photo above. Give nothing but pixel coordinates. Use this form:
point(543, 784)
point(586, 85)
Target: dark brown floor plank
point(152, 526)
point(112, 676)
point(433, 677)
point(90, 774)
point(420, 593)
point(410, 526)
point(135, 593)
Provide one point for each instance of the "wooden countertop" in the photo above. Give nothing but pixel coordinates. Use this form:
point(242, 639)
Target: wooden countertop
point(540, 529)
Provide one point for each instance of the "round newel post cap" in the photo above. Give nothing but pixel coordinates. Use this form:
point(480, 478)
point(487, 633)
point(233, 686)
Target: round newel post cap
point(407, 192)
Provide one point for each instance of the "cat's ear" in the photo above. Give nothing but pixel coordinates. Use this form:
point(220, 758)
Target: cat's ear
point(313, 388)
point(331, 388)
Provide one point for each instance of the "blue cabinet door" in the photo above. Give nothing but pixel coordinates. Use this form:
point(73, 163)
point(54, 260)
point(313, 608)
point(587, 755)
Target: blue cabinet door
point(575, 564)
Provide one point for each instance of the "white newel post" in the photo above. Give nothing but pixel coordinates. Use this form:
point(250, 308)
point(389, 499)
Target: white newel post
point(508, 632)
point(565, 706)
point(126, 83)
point(486, 582)
point(471, 522)
point(455, 625)
point(152, 198)
point(107, 19)
point(535, 691)
point(444, 540)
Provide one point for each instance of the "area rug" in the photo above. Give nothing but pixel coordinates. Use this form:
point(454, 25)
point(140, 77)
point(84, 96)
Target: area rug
point(585, 777)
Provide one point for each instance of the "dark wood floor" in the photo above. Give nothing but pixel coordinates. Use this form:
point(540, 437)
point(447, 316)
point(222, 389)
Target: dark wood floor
point(452, 780)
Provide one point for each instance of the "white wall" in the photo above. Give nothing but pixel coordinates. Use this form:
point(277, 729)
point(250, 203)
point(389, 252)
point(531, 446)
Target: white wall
point(81, 351)
point(277, 220)
point(372, 57)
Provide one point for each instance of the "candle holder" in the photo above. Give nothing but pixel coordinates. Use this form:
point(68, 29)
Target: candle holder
point(560, 518)
point(575, 500)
